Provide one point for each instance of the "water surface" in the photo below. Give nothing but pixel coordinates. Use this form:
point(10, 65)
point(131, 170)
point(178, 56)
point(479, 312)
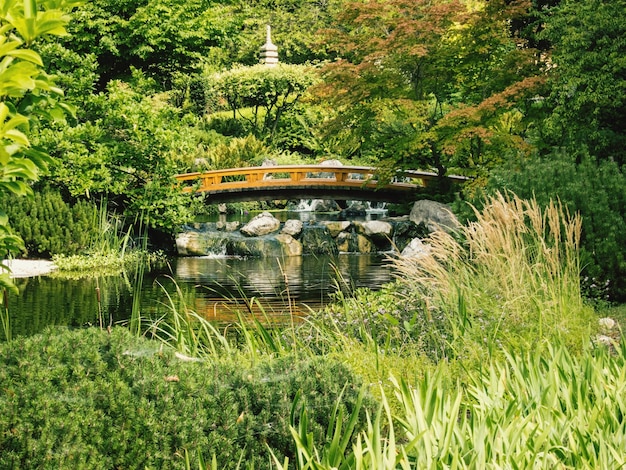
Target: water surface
point(213, 287)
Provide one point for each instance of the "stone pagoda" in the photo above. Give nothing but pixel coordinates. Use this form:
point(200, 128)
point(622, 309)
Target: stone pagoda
point(269, 51)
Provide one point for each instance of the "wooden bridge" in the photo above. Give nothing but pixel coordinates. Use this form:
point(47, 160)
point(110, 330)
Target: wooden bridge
point(308, 182)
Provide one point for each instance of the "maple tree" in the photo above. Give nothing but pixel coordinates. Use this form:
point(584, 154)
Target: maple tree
point(431, 85)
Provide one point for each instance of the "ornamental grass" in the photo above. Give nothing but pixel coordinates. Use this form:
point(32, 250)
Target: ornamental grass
point(511, 277)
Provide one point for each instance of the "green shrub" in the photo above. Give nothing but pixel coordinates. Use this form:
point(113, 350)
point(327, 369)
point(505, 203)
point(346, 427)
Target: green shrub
point(595, 190)
point(49, 225)
point(91, 399)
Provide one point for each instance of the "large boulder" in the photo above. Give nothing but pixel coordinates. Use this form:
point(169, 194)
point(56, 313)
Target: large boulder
point(268, 246)
point(262, 224)
point(292, 227)
point(434, 216)
point(290, 246)
point(377, 230)
point(201, 243)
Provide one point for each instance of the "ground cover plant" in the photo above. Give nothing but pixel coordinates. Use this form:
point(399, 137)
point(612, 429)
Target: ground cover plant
point(92, 399)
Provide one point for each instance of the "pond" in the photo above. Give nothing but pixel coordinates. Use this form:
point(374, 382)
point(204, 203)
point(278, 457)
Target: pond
point(214, 287)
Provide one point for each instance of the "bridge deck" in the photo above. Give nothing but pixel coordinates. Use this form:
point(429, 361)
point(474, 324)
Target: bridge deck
point(306, 182)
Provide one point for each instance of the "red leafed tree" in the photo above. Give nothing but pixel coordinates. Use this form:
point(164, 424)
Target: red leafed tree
point(425, 84)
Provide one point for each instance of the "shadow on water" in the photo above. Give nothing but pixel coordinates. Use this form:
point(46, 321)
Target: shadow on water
point(214, 287)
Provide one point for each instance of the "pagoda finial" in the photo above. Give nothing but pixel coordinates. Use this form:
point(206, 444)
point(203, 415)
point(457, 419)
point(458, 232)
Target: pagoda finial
point(269, 52)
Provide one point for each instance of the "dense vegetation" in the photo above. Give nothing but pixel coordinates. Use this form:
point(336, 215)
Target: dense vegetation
point(490, 359)
point(526, 96)
point(480, 355)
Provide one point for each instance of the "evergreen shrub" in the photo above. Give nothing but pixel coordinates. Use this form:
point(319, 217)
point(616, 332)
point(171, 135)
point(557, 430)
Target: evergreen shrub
point(596, 190)
point(88, 399)
point(49, 225)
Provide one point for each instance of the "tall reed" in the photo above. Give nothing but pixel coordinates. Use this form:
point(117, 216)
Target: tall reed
point(5, 319)
point(509, 277)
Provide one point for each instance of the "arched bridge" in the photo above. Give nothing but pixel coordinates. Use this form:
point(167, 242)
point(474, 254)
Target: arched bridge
point(308, 182)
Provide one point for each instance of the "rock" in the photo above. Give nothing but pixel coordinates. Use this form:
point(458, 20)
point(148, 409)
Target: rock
point(325, 174)
point(364, 244)
point(324, 205)
point(28, 267)
point(221, 208)
point(346, 242)
point(256, 247)
point(232, 226)
point(377, 230)
point(227, 226)
point(404, 231)
point(415, 249)
point(606, 324)
point(355, 209)
point(353, 243)
point(292, 227)
point(316, 239)
point(260, 225)
point(291, 246)
point(435, 216)
point(201, 243)
point(336, 227)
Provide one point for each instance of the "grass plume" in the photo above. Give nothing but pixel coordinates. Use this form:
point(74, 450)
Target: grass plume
point(512, 275)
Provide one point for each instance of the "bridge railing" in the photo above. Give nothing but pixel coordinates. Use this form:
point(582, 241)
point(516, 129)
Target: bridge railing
point(298, 175)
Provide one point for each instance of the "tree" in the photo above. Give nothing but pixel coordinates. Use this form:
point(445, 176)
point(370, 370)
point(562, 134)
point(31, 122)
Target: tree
point(588, 79)
point(268, 91)
point(26, 94)
point(434, 77)
point(127, 148)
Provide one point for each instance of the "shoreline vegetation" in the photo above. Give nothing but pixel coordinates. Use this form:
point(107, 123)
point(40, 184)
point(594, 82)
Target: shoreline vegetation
point(481, 354)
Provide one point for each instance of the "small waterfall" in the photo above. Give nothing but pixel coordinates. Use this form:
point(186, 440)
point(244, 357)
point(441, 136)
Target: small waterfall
point(376, 208)
point(305, 205)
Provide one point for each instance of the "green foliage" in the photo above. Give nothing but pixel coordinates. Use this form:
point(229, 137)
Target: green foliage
point(514, 279)
point(596, 191)
point(589, 77)
point(237, 152)
point(27, 95)
point(159, 37)
point(48, 225)
point(422, 85)
point(268, 91)
point(543, 408)
point(90, 399)
point(127, 149)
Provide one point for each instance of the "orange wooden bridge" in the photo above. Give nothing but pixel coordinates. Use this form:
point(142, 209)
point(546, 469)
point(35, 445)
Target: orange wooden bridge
point(308, 182)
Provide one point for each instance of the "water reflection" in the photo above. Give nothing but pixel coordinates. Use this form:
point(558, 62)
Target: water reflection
point(215, 287)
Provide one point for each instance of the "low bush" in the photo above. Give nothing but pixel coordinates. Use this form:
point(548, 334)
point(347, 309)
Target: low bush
point(91, 399)
point(49, 225)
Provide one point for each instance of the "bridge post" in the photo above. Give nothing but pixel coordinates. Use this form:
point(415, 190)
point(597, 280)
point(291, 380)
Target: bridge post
point(341, 176)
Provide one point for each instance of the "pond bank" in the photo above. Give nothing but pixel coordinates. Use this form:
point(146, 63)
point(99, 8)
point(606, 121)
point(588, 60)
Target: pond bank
point(29, 267)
